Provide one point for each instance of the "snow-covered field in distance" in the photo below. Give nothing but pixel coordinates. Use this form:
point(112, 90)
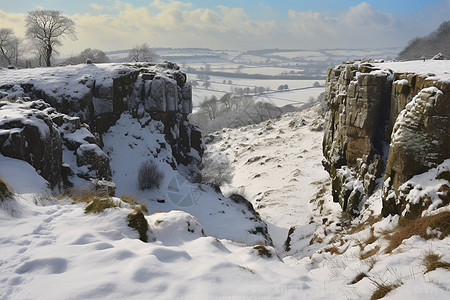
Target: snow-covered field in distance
point(299, 93)
point(245, 69)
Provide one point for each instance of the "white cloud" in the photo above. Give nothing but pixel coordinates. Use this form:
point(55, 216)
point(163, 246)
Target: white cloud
point(97, 7)
point(14, 21)
point(178, 24)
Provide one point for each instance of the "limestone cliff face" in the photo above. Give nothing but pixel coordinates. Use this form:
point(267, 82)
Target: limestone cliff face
point(382, 121)
point(79, 104)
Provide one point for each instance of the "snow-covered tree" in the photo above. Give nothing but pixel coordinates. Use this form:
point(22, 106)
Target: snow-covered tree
point(210, 107)
point(46, 29)
point(141, 53)
point(96, 55)
point(9, 47)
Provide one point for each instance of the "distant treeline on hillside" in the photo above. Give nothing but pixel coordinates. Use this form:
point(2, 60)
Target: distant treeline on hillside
point(428, 46)
point(258, 76)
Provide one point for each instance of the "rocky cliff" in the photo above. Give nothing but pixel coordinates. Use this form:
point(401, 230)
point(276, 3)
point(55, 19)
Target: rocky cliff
point(387, 122)
point(47, 110)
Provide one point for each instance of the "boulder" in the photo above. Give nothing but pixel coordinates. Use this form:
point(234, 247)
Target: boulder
point(93, 162)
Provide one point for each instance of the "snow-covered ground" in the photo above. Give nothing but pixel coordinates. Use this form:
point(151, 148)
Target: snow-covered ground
point(52, 249)
point(278, 167)
point(203, 245)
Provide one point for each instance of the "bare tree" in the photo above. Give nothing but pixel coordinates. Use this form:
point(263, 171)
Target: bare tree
point(141, 53)
point(206, 84)
point(210, 107)
point(9, 46)
point(46, 28)
point(226, 101)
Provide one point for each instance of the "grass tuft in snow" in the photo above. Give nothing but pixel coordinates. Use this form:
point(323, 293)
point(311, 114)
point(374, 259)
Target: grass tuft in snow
point(371, 220)
point(369, 253)
point(358, 278)
point(134, 204)
point(247, 269)
point(382, 289)
point(263, 251)
point(98, 205)
point(5, 190)
point(432, 261)
point(434, 226)
point(96, 202)
point(287, 243)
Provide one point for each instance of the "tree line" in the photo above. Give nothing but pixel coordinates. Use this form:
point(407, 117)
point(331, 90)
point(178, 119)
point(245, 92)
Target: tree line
point(232, 111)
point(427, 47)
point(45, 31)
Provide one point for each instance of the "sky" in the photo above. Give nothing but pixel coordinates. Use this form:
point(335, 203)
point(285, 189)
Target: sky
point(237, 24)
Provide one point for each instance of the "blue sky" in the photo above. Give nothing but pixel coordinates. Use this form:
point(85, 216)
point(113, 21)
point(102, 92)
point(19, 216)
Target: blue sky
point(238, 24)
point(282, 6)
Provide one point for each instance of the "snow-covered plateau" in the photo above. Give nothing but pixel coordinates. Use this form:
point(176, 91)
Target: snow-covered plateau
point(272, 232)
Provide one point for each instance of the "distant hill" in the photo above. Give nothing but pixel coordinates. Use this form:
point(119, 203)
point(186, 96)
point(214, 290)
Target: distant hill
point(426, 47)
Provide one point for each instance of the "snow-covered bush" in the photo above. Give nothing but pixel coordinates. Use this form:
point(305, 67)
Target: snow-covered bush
point(149, 176)
point(216, 170)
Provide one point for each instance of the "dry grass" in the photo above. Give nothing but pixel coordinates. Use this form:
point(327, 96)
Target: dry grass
point(432, 261)
point(96, 202)
point(372, 238)
point(371, 262)
point(369, 253)
point(367, 223)
point(134, 204)
point(358, 278)
point(382, 289)
point(98, 205)
point(5, 190)
point(262, 250)
point(419, 226)
point(332, 250)
point(316, 239)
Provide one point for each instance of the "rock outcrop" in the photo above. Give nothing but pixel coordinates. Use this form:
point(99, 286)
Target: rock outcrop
point(27, 132)
point(33, 131)
point(382, 122)
point(79, 103)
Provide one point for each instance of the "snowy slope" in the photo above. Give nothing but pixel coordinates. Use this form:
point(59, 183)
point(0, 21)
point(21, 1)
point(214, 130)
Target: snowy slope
point(278, 166)
point(202, 249)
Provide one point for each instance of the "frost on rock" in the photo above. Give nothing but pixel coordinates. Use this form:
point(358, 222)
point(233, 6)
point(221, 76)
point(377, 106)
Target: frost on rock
point(425, 192)
point(420, 140)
